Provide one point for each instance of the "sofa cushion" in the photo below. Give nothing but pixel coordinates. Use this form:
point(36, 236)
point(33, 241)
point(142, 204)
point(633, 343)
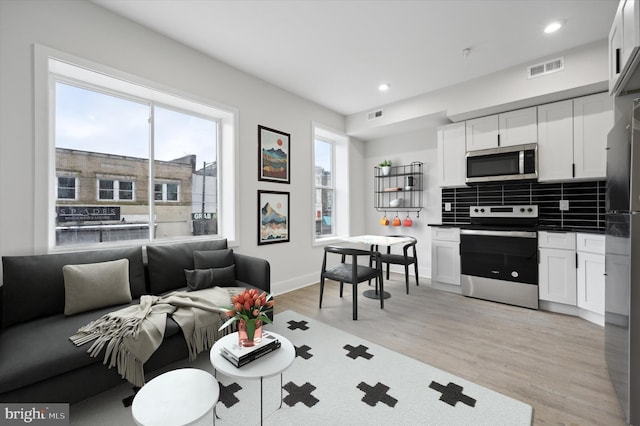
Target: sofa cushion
point(33, 286)
point(95, 285)
point(166, 263)
point(41, 349)
point(213, 258)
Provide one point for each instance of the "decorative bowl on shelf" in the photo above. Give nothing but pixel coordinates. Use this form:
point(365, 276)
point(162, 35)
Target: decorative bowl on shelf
point(396, 202)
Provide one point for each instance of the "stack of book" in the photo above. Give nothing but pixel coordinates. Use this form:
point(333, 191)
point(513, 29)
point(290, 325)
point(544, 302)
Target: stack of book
point(239, 355)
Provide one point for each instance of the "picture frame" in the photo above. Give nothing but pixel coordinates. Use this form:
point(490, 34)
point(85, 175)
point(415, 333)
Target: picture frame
point(273, 217)
point(274, 155)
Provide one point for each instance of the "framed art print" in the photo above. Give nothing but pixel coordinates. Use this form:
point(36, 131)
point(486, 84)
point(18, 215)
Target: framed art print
point(273, 217)
point(274, 155)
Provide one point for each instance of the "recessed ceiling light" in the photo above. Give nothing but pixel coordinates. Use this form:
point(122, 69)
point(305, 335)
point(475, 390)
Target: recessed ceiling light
point(553, 27)
point(384, 87)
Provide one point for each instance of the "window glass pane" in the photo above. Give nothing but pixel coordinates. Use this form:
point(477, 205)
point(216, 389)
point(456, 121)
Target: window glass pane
point(66, 188)
point(106, 190)
point(125, 191)
point(324, 188)
point(186, 154)
point(97, 133)
point(158, 191)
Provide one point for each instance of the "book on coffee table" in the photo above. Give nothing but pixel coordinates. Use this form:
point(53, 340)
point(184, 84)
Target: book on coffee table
point(240, 355)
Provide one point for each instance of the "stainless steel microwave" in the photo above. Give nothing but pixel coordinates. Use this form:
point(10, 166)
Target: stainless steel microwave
point(504, 163)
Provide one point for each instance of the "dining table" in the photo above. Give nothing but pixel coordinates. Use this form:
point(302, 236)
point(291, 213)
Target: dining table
point(376, 241)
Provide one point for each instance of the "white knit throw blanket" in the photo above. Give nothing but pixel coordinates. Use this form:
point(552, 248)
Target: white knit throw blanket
point(132, 334)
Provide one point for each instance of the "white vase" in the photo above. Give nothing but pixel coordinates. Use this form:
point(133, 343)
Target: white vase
point(385, 170)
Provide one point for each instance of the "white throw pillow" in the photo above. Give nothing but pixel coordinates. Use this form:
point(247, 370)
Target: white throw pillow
point(95, 285)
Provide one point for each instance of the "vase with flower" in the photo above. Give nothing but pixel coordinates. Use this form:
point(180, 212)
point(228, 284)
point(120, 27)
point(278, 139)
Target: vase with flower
point(249, 309)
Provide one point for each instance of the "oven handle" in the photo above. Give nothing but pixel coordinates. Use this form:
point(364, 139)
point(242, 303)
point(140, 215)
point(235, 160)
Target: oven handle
point(516, 234)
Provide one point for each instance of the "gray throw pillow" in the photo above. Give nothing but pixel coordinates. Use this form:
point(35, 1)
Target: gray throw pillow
point(213, 259)
point(199, 279)
point(95, 285)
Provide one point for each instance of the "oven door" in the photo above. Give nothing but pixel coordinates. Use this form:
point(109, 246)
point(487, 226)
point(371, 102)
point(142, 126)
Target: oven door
point(501, 266)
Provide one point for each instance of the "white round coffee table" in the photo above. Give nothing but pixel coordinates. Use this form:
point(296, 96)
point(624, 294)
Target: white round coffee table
point(177, 397)
point(268, 365)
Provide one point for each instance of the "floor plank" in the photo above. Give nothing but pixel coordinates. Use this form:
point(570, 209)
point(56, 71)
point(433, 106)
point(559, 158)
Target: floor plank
point(551, 361)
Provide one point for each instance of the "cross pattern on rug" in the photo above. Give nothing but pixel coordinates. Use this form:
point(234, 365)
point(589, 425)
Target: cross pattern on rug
point(300, 394)
point(228, 394)
point(303, 352)
point(377, 393)
point(298, 325)
point(355, 352)
point(452, 394)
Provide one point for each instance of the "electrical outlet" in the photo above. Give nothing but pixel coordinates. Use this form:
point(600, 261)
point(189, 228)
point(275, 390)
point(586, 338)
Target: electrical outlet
point(447, 207)
point(564, 205)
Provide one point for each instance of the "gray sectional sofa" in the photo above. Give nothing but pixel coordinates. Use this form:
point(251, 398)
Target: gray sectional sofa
point(38, 362)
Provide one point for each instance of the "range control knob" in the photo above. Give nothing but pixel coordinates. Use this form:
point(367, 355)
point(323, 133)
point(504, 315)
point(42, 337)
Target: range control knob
point(475, 210)
point(481, 210)
point(522, 209)
point(529, 209)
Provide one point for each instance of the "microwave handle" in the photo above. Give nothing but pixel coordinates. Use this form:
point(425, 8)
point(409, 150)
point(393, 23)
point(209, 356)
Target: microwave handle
point(521, 161)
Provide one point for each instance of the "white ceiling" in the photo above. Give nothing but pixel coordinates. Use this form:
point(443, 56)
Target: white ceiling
point(337, 52)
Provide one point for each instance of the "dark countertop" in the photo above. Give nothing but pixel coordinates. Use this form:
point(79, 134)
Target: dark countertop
point(547, 228)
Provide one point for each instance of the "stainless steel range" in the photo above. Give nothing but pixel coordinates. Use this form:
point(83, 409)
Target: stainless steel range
point(499, 254)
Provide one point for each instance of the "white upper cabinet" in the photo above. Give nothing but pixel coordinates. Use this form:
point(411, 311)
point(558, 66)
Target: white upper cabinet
point(624, 41)
point(573, 138)
point(482, 133)
point(592, 121)
point(507, 129)
point(555, 141)
point(518, 127)
point(451, 155)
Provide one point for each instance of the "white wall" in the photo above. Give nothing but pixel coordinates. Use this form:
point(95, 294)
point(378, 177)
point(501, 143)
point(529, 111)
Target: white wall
point(403, 150)
point(88, 31)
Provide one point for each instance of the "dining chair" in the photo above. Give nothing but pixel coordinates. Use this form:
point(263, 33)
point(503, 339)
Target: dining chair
point(405, 258)
point(352, 273)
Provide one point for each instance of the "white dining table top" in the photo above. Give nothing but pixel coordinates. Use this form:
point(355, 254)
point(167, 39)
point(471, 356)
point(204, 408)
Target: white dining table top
point(378, 240)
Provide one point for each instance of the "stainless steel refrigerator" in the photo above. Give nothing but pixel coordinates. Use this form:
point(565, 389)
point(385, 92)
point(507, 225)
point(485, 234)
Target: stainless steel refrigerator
point(622, 262)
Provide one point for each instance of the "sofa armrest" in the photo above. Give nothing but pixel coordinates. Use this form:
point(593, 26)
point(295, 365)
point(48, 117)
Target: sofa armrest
point(254, 271)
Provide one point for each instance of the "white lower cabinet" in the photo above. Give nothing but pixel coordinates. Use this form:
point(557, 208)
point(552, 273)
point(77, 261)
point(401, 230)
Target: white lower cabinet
point(591, 273)
point(557, 276)
point(445, 255)
point(571, 273)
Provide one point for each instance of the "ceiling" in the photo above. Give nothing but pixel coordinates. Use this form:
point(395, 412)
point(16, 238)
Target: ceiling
point(336, 53)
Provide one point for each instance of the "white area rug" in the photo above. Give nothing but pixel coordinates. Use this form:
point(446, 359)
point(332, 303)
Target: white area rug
point(336, 378)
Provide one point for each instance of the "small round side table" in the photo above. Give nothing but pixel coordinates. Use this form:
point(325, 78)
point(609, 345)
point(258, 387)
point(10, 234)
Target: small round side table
point(177, 397)
point(269, 365)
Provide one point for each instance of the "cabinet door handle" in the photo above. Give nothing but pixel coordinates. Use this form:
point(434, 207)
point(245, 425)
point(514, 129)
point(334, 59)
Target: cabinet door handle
point(618, 61)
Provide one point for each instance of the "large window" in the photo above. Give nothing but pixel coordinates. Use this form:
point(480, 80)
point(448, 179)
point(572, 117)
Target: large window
point(330, 185)
point(141, 169)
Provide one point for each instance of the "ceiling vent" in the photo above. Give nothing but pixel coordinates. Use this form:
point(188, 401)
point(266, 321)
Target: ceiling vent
point(545, 68)
point(374, 115)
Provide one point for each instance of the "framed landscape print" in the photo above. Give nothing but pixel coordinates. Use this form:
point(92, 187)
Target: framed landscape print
point(273, 217)
point(274, 155)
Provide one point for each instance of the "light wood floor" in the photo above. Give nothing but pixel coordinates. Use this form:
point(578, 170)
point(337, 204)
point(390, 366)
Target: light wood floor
point(551, 361)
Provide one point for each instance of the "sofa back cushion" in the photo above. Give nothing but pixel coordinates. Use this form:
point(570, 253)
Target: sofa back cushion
point(166, 263)
point(33, 286)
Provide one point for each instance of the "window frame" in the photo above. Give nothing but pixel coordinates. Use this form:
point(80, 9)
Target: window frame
point(75, 186)
point(116, 188)
point(45, 61)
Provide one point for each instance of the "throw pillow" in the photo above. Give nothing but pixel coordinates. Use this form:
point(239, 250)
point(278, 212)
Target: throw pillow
point(213, 259)
point(95, 285)
point(225, 277)
point(198, 279)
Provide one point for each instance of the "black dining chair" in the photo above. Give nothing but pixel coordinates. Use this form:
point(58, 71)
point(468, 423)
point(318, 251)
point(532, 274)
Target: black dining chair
point(405, 258)
point(352, 273)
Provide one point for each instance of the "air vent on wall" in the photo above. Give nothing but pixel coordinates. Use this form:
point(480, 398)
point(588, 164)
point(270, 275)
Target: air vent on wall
point(545, 68)
point(374, 114)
